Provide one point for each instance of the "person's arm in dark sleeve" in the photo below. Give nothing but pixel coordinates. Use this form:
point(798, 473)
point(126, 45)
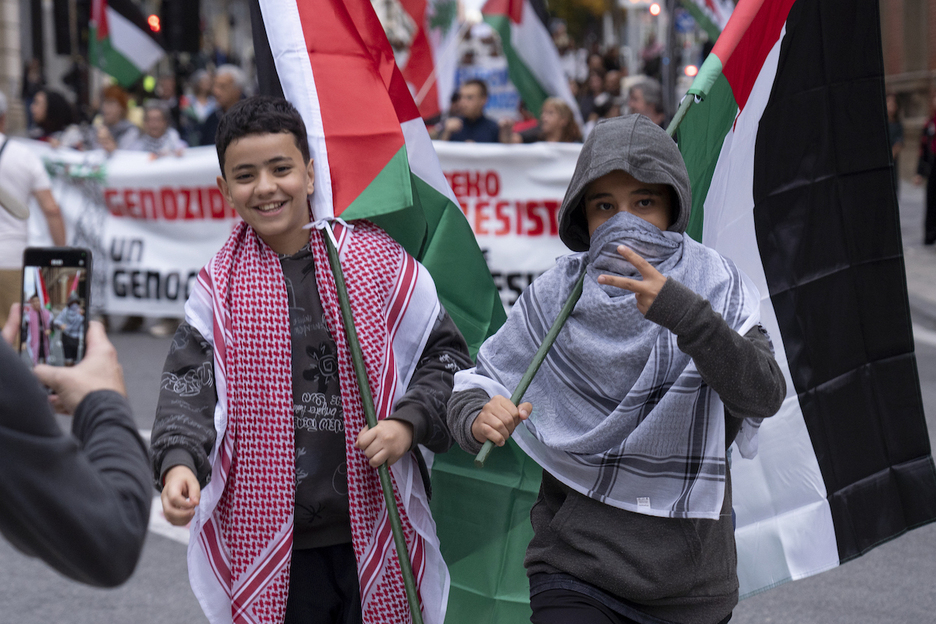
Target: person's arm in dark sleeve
point(463, 408)
point(741, 369)
point(80, 503)
point(184, 433)
point(424, 404)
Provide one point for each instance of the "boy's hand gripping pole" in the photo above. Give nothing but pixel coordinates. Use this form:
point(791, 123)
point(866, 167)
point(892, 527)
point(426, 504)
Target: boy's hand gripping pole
point(538, 358)
point(371, 416)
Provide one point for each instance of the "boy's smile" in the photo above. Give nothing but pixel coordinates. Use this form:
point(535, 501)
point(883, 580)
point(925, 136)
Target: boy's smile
point(620, 192)
point(268, 184)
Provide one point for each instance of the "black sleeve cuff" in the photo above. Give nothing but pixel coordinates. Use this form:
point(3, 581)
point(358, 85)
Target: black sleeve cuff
point(412, 415)
point(176, 457)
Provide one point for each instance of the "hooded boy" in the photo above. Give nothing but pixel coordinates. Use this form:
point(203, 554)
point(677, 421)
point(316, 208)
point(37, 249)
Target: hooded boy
point(660, 367)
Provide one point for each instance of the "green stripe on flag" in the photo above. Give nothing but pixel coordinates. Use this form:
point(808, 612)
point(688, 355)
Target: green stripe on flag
point(389, 192)
point(103, 56)
point(522, 78)
point(706, 24)
point(484, 545)
point(700, 138)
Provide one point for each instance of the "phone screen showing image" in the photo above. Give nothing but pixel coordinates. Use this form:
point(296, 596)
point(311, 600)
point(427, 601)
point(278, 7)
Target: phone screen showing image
point(55, 304)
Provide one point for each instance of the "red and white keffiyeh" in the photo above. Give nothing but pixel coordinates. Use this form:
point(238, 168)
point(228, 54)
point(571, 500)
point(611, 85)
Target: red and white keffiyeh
point(241, 536)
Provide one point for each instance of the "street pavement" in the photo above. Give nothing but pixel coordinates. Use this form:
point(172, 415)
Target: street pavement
point(893, 584)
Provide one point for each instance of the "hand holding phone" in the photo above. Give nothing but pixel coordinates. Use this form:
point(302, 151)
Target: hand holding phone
point(99, 370)
point(55, 302)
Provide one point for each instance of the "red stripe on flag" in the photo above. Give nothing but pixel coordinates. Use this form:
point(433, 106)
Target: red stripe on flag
point(511, 8)
point(362, 132)
point(743, 46)
point(99, 17)
point(420, 66)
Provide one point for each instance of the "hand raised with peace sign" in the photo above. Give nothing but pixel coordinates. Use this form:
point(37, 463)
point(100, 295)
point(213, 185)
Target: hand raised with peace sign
point(646, 289)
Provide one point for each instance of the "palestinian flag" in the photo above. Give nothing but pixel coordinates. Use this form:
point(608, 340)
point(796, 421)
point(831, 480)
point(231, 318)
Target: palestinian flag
point(433, 55)
point(711, 15)
point(791, 178)
point(120, 42)
point(373, 156)
point(532, 59)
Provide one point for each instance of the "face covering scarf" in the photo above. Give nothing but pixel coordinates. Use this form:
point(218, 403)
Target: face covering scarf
point(241, 541)
point(620, 414)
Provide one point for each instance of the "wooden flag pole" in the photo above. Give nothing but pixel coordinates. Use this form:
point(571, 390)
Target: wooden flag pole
point(566, 311)
point(370, 415)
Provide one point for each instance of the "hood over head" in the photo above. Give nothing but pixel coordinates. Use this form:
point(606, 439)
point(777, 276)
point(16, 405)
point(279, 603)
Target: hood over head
point(640, 148)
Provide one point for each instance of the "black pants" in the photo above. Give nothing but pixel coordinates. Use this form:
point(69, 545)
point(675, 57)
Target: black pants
point(566, 606)
point(70, 347)
point(324, 586)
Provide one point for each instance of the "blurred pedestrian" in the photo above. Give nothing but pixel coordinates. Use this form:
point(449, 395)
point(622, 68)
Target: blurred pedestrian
point(556, 125)
point(52, 114)
point(159, 138)
point(198, 104)
point(925, 167)
point(228, 88)
point(593, 88)
point(471, 125)
point(38, 329)
point(79, 501)
point(33, 82)
point(646, 98)
point(70, 321)
point(22, 175)
point(652, 57)
point(114, 130)
point(895, 134)
point(166, 91)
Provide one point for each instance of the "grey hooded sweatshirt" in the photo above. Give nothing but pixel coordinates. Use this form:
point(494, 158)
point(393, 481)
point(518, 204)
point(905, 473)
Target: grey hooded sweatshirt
point(647, 568)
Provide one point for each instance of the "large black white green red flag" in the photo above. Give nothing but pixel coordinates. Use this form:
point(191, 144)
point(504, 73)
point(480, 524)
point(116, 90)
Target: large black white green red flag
point(791, 178)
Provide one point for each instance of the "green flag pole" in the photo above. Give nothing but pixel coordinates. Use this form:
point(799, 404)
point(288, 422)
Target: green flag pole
point(538, 358)
point(370, 415)
point(566, 311)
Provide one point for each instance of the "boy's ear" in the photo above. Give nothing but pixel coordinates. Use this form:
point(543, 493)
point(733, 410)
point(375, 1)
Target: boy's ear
point(225, 190)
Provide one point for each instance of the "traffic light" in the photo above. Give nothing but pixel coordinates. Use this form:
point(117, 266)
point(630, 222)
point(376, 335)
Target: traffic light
point(180, 21)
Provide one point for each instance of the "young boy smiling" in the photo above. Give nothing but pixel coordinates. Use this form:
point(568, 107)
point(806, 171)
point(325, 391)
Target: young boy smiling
point(260, 439)
point(660, 367)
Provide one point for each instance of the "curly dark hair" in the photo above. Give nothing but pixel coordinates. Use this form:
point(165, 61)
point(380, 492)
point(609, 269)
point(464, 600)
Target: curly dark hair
point(261, 114)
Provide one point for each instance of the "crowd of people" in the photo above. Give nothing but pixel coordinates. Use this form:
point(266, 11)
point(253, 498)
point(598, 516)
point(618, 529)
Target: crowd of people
point(162, 122)
point(598, 81)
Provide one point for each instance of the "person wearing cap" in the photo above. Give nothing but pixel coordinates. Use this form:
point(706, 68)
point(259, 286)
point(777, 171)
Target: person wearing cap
point(661, 366)
point(21, 174)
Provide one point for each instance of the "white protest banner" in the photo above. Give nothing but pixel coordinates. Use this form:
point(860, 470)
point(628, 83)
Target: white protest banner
point(151, 224)
point(511, 195)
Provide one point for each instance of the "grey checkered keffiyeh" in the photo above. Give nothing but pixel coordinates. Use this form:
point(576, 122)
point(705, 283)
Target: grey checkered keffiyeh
point(620, 414)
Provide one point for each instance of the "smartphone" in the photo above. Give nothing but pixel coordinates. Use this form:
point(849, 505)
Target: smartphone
point(56, 299)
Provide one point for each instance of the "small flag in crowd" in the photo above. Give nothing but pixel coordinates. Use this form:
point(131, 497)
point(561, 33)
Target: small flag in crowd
point(532, 59)
point(433, 56)
point(711, 15)
point(120, 43)
point(791, 178)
